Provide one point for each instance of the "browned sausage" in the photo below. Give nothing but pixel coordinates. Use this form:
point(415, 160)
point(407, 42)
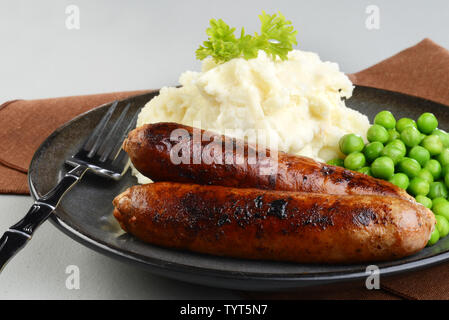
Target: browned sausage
point(150, 147)
point(274, 225)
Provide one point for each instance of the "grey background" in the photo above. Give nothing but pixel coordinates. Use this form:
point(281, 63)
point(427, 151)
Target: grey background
point(147, 44)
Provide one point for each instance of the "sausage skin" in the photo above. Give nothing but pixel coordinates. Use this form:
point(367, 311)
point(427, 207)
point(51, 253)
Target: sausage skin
point(150, 147)
point(274, 225)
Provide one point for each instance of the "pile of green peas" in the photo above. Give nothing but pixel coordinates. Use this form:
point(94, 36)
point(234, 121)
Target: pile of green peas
point(413, 155)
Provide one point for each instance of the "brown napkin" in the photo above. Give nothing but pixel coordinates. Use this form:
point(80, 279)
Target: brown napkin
point(24, 125)
point(422, 70)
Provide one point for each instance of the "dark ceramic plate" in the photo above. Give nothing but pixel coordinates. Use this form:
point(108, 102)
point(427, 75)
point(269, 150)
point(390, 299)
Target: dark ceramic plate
point(85, 213)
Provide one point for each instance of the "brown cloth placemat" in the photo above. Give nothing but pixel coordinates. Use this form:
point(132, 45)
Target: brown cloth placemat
point(422, 70)
point(24, 125)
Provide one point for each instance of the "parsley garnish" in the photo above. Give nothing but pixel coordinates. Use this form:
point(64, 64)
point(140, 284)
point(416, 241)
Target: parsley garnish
point(276, 38)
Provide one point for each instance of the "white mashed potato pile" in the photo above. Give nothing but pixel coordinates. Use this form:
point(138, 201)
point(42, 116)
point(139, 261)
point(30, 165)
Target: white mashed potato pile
point(297, 103)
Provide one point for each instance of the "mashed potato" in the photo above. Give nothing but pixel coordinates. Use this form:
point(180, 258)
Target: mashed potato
point(297, 103)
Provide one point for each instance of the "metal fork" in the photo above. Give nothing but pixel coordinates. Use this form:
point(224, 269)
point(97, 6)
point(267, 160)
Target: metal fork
point(100, 153)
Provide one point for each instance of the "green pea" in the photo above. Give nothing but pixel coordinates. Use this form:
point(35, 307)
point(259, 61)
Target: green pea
point(383, 168)
point(385, 119)
point(354, 161)
point(403, 123)
point(427, 122)
point(438, 200)
point(433, 144)
point(442, 226)
point(351, 143)
point(441, 209)
point(411, 136)
point(420, 154)
point(437, 189)
point(401, 180)
point(425, 174)
point(377, 133)
point(372, 150)
point(443, 135)
point(418, 186)
point(443, 157)
point(391, 151)
point(410, 167)
point(393, 135)
point(434, 167)
point(434, 237)
point(336, 162)
point(365, 170)
point(426, 202)
point(398, 144)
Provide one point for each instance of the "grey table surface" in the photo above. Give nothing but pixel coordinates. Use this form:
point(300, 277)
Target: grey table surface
point(147, 44)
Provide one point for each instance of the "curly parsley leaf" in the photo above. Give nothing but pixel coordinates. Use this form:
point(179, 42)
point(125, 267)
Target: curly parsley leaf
point(279, 35)
point(276, 38)
point(221, 45)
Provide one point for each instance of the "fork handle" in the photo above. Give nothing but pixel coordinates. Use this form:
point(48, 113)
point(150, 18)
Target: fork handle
point(18, 235)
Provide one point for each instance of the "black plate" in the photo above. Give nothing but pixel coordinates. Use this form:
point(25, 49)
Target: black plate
point(85, 213)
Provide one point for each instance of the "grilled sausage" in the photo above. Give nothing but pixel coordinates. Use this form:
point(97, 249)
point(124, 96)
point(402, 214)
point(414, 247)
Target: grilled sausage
point(274, 225)
point(151, 147)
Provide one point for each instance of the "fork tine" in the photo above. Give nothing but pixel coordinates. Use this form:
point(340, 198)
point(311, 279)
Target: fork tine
point(108, 144)
point(101, 152)
point(122, 155)
point(101, 128)
point(118, 146)
point(87, 145)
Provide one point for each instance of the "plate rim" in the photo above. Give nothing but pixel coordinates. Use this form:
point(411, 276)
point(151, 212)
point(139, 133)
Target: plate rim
point(175, 267)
